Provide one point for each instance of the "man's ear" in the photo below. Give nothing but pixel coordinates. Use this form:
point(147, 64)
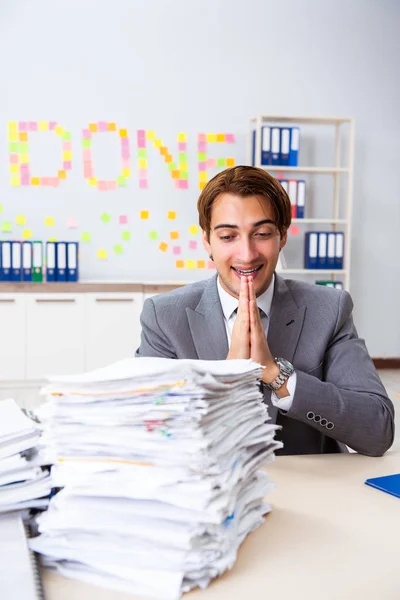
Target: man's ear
point(283, 241)
point(206, 243)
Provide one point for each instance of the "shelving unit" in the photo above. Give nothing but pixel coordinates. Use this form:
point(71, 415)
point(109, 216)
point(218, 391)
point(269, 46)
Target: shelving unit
point(337, 170)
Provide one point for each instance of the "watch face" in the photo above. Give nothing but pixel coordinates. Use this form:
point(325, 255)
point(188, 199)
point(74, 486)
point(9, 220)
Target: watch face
point(285, 364)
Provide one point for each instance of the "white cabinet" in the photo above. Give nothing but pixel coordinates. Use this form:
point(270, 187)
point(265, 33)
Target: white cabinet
point(112, 327)
point(12, 328)
point(55, 342)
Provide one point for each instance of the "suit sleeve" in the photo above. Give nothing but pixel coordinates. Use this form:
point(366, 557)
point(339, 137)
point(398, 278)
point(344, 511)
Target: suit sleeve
point(153, 340)
point(350, 404)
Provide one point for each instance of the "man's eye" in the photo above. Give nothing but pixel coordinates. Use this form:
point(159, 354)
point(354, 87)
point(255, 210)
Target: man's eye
point(226, 238)
point(263, 234)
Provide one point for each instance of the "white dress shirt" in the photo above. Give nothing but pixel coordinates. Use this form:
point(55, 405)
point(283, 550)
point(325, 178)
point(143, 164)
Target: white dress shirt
point(229, 305)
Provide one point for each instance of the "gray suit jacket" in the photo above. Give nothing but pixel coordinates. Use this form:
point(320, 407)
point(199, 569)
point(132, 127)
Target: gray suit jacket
point(339, 398)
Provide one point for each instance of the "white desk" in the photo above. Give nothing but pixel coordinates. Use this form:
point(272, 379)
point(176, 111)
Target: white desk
point(329, 537)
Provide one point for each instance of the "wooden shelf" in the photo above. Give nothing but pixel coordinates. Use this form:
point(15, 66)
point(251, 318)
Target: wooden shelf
point(304, 271)
point(316, 221)
point(310, 120)
point(325, 170)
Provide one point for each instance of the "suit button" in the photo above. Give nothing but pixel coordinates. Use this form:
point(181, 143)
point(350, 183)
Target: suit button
point(330, 425)
point(323, 422)
point(317, 418)
point(310, 415)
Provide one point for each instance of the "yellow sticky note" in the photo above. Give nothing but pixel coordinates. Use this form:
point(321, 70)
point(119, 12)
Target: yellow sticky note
point(35, 180)
point(171, 215)
point(123, 133)
point(112, 127)
point(150, 135)
point(102, 254)
point(193, 229)
point(126, 172)
point(181, 137)
point(67, 155)
point(13, 136)
point(190, 264)
point(158, 143)
point(203, 176)
point(24, 159)
point(92, 181)
point(180, 264)
point(183, 166)
point(220, 137)
point(93, 128)
point(59, 130)
point(12, 125)
point(211, 137)
point(202, 185)
point(62, 174)
point(52, 239)
point(14, 169)
point(44, 126)
point(20, 219)
point(15, 181)
point(26, 234)
point(144, 214)
point(49, 221)
point(163, 247)
point(142, 163)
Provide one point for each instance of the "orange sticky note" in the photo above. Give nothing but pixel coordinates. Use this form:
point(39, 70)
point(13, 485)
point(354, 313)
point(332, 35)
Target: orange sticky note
point(174, 235)
point(112, 127)
point(93, 128)
point(163, 247)
point(175, 174)
point(62, 174)
point(230, 162)
point(23, 136)
point(201, 264)
point(144, 214)
point(180, 264)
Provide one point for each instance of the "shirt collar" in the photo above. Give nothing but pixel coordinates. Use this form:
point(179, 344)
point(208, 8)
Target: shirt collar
point(229, 303)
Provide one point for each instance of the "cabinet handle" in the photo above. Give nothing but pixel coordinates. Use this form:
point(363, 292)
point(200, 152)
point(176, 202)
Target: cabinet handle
point(52, 300)
point(7, 300)
point(114, 300)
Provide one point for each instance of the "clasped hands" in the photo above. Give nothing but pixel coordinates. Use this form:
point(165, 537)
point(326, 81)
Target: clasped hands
point(248, 335)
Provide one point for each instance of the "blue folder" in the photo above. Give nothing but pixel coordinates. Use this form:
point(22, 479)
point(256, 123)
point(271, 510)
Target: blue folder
point(389, 484)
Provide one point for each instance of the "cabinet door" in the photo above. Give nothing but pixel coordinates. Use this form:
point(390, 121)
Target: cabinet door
point(55, 334)
point(112, 327)
point(12, 328)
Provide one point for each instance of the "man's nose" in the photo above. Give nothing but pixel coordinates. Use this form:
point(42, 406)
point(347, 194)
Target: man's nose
point(248, 252)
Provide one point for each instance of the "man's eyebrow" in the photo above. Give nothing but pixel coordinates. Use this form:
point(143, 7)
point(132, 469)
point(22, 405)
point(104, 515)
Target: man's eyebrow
point(258, 224)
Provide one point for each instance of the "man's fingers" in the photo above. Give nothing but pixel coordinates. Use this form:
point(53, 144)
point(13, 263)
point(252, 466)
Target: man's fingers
point(255, 318)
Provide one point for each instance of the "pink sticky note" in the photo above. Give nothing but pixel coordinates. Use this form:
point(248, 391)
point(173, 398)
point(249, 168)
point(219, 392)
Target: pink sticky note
point(13, 159)
point(202, 166)
point(72, 223)
point(183, 184)
point(141, 133)
point(211, 163)
point(45, 181)
point(182, 146)
point(142, 173)
point(176, 250)
point(126, 154)
point(193, 245)
point(67, 164)
point(141, 144)
point(143, 184)
point(67, 145)
point(86, 134)
point(202, 137)
point(123, 219)
point(294, 230)
point(25, 179)
point(229, 138)
point(24, 168)
point(202, 146)
point(88, 173)
point(126, 163)
point(52, 125)
point(54, 181)
point(111, 185)
point(33, 126)
point(87, 154)
point(102, 126)
point(125, 142)
point(23, 126)
point(102, 186)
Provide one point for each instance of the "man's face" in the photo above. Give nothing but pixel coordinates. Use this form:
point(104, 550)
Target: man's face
point(244, 240)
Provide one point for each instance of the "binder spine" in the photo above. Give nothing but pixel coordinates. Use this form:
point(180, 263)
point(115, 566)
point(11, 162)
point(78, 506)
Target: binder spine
point(310, 250)
point(26, 261)
point(294, 146)
point(301, 198)
point(285, 146)
point(275, 145)
point(266, 146)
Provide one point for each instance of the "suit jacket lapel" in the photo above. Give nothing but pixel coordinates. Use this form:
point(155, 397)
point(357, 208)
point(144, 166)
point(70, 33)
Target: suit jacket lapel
point(207, 325)
point(286, 321)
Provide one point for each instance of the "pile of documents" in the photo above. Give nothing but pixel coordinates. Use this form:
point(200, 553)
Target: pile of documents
point(159, 464)
point(24, 476)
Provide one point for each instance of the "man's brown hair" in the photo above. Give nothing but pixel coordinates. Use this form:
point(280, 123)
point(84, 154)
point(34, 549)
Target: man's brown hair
point(245, 181)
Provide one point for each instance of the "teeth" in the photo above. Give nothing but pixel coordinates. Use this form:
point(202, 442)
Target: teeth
point(247, 272)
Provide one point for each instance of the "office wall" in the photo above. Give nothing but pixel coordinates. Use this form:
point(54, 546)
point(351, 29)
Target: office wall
point(189, 67)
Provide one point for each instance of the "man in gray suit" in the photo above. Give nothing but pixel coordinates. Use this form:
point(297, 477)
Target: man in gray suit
point(318, 379)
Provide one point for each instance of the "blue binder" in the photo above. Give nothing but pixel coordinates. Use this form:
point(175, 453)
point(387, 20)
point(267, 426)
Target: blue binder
point(322, 250)
point(339, 285)
point(389, 484)
point(72, 261)
point(253, 148)
point(294, 146)
point(61, 261)
point(285, 184)
point(266, 145)
point(275, 145)
point(6, 261)
point(339, 252)
point(16, 261)
point(301, 198)
point(331, 251)
point(51, 261)
point(310, 250)
point(285, 146)
point(26, 261)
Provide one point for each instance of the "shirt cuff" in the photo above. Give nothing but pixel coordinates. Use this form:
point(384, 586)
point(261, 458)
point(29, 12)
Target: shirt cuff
point(285, 403)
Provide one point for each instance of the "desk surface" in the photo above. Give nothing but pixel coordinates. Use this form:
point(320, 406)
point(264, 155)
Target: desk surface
point(329, 537)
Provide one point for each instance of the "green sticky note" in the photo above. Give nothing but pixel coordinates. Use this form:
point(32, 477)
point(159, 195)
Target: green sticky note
point(184, 175)
point(24, 147)
point(66, 136)
point(13, 147)
point(86, 143)
point(201, 156)
point(153, 235)
point(85, 237)
point(126, 236)
point(1, 208)
point(121, 181)
point(105, 217)
point(118, 249)
point(172, 166)
point(220, 162)
point(142, 153)
point(183, 156)
point(6, 227)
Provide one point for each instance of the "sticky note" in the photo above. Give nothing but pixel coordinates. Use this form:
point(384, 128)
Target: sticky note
point(62, 175)
point(221, 162)
point(43, 126)
point(26, 234)
point(59, 130)
point(49, 221)
point(211, 137)
point(294, 230)
point(102, 254)
point(201, 264)
point(20, 220)
point(15, 181)
point(171, 215)
point(176, 250)
point(105, 217)
point(201, 156)
point(193, 245)
point(183, 184)
point(163, 247)
point(118, 249)
point(181, 137)
point(190, 264)
point(52, 239)
point(1, 208)
point(14, 169)
point(153, 235)
point(85, 236)
point(180, 264)
point(150, 135)
point(144, 214)
point(123, 133)
point(143, 184)
point(230, 162)
point(229, 138)
point(112, 127)
point(193, 229)
point(12, 126)
point(123, 219)
point(126, 236)
point(6, 227)
point(23, 136)
point(66, 136)
point(72, 223)
point(220, 137)
point(93, 129)
point(174, 235)
point(121, 181)
point(92, 181)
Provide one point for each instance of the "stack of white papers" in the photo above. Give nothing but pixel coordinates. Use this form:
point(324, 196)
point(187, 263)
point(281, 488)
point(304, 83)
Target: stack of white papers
point(159, 464)
point(24, 480)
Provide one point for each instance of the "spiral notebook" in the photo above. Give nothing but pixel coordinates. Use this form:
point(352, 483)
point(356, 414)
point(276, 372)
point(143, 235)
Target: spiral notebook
point(19, 569)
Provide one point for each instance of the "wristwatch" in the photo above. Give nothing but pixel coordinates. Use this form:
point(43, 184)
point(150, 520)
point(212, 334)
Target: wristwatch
point(286, 370)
